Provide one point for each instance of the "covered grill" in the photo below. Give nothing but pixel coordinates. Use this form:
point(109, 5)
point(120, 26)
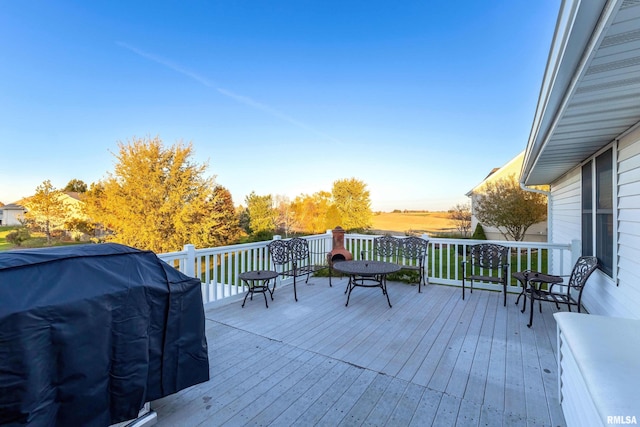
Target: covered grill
point(89, 333)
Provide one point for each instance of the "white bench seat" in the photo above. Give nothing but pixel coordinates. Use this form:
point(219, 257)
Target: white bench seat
point(599, 369)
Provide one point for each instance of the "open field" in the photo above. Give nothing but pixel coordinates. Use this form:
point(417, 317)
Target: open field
point(412, 223)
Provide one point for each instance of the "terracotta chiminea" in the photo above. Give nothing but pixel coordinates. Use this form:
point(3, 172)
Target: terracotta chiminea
point(338, 253)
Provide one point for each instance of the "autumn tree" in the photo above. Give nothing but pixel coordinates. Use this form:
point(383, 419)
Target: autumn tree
point(460, 214)
point(285, 217)
point(315, 213)
point(351, 199)
point(504, 205)
point(158, 199)
point(262, 216)
point(75, 185)
point(46, 209)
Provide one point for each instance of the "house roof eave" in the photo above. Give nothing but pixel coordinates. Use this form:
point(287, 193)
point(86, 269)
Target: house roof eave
point(589, 90)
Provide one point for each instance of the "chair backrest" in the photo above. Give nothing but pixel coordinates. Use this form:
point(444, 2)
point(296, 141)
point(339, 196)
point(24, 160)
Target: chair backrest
point(582, 270)
point(414, 247)
point(385, 246)
point(279, 251)
point(489, 255)
point(299, 249)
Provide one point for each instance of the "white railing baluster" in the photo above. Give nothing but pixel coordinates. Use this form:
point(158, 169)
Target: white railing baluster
point(218, 268)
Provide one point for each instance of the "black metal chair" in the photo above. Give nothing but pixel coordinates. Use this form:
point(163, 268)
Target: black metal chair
point(487, 262)
point(385, 248)
point(292, 258)
point(583, 268)
point(414, 251)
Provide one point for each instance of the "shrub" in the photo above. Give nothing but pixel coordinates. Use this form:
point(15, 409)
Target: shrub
point(478, 233)
point(18, 237)
point(261, 236)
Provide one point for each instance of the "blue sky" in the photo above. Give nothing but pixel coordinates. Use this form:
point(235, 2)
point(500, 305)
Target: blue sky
point(418, 99)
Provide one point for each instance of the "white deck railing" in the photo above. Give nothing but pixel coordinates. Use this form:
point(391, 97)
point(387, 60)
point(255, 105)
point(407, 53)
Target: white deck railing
point(218, 268)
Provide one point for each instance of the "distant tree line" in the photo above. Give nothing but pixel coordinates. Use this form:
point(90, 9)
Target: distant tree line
point(157, 198)
point(347, 205)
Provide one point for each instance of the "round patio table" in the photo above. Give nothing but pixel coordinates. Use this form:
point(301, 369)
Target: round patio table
point(258, 281)
point(366, 274)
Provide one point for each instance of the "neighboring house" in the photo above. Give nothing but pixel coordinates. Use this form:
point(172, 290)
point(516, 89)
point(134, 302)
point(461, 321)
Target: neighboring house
point(535, 233)
point(72, 200)
point(11, 214)
point(585, 144)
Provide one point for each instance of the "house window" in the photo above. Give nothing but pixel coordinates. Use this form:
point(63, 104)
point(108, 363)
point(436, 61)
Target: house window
point(597, 210)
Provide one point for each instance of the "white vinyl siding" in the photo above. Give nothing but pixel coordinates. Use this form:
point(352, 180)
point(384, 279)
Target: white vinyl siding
point(628, 198)
point(601, 295)
point(565, 214)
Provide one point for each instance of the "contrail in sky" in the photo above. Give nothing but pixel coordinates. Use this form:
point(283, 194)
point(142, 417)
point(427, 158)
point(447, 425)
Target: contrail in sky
point(245, 100)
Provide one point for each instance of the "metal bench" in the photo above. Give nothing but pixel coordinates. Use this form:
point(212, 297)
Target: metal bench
point(292, 258)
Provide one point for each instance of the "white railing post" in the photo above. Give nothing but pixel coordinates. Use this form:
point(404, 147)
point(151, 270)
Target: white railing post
point(190, 262)
point(277, 237)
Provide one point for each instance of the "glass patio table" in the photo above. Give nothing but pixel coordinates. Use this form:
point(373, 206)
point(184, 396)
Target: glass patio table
point(366, 274)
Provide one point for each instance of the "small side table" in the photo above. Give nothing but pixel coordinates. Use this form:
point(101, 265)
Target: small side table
point(530, 278)
point(258, 281)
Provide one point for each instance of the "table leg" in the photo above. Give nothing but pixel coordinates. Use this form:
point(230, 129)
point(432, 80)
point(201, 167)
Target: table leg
point(384, 289)
point(264, 288)
point(524, 293)
point(350, 288)
point(531, 307)
point(264, 293)
point(245, 297)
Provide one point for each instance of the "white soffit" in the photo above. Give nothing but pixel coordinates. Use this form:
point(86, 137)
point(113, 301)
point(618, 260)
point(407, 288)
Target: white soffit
point(601, 101)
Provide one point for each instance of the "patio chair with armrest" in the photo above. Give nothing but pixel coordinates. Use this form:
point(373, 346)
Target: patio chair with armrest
point(292, 258)
point(566, 295)
point(487, 262)
point(413, 254)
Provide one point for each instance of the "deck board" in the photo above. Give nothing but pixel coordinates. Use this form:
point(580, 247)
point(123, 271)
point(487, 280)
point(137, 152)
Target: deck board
point(430, 359)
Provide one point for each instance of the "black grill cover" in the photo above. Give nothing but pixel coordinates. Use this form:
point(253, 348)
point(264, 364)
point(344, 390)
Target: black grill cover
point(89, 333)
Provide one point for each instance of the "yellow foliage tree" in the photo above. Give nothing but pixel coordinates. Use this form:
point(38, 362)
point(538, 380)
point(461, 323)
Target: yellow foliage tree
point(351, 199)
point(46, 209)
point(158, 199)
point(314, 214)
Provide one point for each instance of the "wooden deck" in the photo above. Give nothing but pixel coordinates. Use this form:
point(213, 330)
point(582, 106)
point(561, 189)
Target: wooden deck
point(432, 359)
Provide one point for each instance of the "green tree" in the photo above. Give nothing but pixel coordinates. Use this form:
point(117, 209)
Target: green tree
point(242, 214)
point(460, 214)
point(75, 185)
point(351, 199)
point(156, 198)
point(504, 205)
point(226, 229)
point(478, 233)
point(46, 209)
point(262, 216)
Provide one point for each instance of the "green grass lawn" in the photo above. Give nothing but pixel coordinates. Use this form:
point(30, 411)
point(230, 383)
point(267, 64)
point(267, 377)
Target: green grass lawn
point(37, 240)
point(4, 245)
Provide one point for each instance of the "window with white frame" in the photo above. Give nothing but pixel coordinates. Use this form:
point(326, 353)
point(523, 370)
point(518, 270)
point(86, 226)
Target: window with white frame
point(597, 210)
